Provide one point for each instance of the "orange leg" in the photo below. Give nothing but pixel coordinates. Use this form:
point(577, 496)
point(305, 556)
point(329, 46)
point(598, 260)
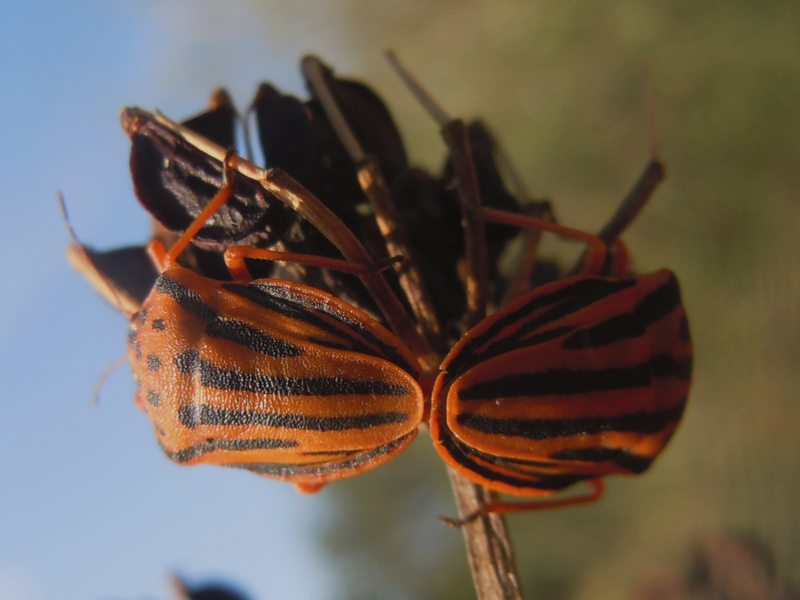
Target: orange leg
point(309, 488)
point(620, 258)
point(595, 257)
point(163, 258)
point(236, 255)
point(500, 507)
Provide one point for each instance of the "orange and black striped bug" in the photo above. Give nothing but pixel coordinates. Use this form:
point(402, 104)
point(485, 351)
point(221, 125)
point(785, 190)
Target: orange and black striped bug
point(580, 378)
point(267, 375)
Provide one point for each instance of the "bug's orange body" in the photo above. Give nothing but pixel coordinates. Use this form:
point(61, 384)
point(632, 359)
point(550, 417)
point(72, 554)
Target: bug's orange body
point(271, 376)
point(581, 378)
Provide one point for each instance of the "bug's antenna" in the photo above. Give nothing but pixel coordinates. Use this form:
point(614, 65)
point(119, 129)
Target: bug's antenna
point(650, 112)
point(438, 113)
point(652, 175)
point(81, 260)
point(103, 378)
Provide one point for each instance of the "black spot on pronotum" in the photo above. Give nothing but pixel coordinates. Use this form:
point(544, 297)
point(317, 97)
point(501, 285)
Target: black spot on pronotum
point(133, 342)
point(159, 324)
point(153, 363)
point(153, 398)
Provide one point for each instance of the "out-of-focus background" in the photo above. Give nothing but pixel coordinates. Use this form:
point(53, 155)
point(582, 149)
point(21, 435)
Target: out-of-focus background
point(89, 508)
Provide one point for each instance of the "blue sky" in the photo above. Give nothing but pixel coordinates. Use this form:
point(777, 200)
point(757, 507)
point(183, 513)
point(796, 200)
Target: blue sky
point(89, 507)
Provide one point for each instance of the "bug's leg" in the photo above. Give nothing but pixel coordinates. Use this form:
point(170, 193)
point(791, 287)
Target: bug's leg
point(309, 488)
point(641, 192)
point(235, 261)
point(596, 255)
point(619, 259)
point(500, 507)
point(634, 201)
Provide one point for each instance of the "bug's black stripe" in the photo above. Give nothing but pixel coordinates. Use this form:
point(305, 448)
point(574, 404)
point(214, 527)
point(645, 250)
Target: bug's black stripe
point(278, 299)
point(541, 429)
point(659, 303)
point(461, 454)
point(567, 299)
point(614, 329)
point(214, 377)
point(543, 336)
point(329, 344)
point(288, 470)
point(158, 324)
point(186, 298)
point(530, 463)
point(626, 459)
point(251, 338)
point(187, 361)
point(665, 366)
point(524, 479)
point(685, 336)
point(331, 453)
point(153, 363)
point(213, 444)
point(569, 382)
point(544, 479)
point(263, 295)
point(387, 350)
point(209, 415)
point(650, 309)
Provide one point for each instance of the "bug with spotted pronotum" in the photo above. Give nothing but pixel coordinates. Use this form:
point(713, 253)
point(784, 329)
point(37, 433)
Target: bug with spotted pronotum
point(272, 376)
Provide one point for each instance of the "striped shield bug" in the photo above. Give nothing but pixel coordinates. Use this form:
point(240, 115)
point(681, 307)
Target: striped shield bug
point(580, 378)
point(268, 375)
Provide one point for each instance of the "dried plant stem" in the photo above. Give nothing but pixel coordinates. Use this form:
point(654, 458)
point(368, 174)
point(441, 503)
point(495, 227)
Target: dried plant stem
point(488, 545)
